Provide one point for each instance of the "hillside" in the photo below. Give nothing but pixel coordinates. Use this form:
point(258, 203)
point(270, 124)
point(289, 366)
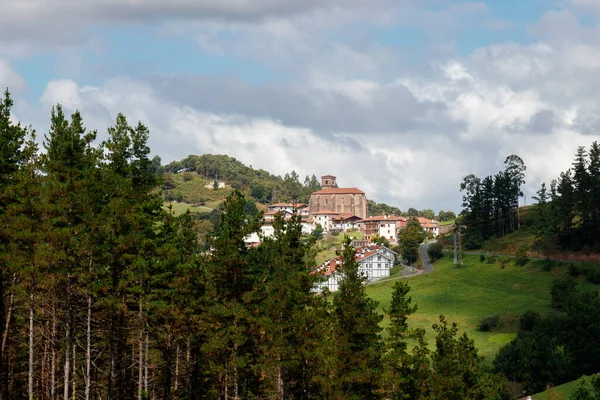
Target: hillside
point(481, 288)
point(263, 186)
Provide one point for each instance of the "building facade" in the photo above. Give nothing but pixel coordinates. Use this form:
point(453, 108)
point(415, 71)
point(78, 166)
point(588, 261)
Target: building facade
point(340, 200)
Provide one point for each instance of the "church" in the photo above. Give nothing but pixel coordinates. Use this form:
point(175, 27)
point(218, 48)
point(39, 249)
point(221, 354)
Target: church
point(338, 200)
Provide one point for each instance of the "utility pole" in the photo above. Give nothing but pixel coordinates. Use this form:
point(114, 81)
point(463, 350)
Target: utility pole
point(460, 252)
point(455, 257)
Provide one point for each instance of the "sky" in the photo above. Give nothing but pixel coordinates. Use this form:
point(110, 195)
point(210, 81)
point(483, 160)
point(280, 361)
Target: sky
point(400, 98)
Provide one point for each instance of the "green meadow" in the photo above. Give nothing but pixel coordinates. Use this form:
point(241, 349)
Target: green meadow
point(467, 294)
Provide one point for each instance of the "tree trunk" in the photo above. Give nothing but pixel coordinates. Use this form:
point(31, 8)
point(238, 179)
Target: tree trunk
point(74, 373)
point(146, 367)
point(11, 302)
point(176, 367)
point(53, 361)
point(67, 368)
point(30, 371)
point(141, 353)
point(88, 348)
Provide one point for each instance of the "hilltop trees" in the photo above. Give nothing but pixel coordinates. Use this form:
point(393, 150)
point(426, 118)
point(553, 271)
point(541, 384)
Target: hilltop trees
point(569, 214)
point(491, 204)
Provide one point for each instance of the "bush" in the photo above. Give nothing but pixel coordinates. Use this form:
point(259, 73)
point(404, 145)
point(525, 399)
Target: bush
point(574, 270)
point(547, 265)
point(435, 251)
point(482, 257)
point(490, 260)
point(487, 324)
point(187, 176)
point(592, 274)
point(529, 320)
point(561, 292)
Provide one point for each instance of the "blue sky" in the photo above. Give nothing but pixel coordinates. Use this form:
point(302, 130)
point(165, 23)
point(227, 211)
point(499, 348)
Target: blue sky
point(389, 95)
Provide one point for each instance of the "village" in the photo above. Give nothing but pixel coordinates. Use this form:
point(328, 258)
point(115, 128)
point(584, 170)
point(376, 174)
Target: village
point(339, 210)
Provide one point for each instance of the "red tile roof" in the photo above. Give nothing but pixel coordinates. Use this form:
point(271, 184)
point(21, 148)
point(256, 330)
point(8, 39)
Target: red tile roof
point(339, 191)
point(297, 205)
point(325, 212)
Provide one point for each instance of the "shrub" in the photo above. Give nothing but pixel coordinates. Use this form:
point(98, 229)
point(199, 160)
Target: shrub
point(482, 257)
point(187, 176)
point(489, 322)
point(574, 270)
point(561, 292)
point(547, 265)
point(528, 320)
point(490, 260)
point(435, 251)
point(592, 274)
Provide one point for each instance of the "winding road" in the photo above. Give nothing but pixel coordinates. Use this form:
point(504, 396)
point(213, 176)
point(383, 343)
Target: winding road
point(427, 266)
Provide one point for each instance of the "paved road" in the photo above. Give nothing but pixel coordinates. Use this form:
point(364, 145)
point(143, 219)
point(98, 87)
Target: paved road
point(428, 267)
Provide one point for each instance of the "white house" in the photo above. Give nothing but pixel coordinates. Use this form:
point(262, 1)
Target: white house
point(325, 219)
point(385, 226)
point(374, 262)
point(301, 208)
point(345, 222)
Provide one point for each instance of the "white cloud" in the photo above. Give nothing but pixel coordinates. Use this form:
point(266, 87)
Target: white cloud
point(9, 78)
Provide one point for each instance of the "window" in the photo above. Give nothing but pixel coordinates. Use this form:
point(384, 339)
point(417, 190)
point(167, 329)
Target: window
point(326, 201)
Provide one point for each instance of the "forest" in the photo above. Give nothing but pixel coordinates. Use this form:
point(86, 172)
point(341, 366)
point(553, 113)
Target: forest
point(105, 294)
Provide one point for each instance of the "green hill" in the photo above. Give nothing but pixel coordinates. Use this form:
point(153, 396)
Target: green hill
point(466, 295)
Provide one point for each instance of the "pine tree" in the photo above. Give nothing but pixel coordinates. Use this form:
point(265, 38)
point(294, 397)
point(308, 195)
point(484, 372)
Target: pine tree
point(405, 372)
point(12, 137)
point(358, 343)
point(230, 280)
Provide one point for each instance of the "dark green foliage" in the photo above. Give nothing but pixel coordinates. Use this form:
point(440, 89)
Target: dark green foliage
point(489, 323)
point(568, 217)
point(562, 291)
point(586, 388)
point(481, 257)
point(435, 251)
point(491, 204)
point(411, 237)
point(554, 349)
point(574, 270)
point(592, 274)
point(358, 345)
point(381, 209)
point(317, 233)
point(382, 241)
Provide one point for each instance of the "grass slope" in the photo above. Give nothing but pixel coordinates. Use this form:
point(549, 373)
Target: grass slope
point(466, 295)
point(181, 208)
point(194, 189)
point(559, 392)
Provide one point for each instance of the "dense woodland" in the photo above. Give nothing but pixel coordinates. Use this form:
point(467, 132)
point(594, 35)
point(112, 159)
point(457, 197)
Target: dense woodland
point(106, 295)
point(568, 215)
point(491, 204)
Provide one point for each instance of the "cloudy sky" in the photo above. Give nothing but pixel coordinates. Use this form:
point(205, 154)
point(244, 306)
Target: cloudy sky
point(401, 98)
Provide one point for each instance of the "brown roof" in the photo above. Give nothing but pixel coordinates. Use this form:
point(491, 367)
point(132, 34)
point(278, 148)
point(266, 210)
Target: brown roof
point(297, 205)
point(328, 176)
point(325, 212)
point(339, 191)
point(384, 218)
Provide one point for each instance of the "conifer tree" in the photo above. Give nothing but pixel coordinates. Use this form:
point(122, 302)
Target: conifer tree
point(357, 334)
point(12, 137)
point(230, 278)
point(406, 372)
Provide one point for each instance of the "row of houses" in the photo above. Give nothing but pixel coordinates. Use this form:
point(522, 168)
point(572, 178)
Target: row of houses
point(374, 263)
point(386, 226)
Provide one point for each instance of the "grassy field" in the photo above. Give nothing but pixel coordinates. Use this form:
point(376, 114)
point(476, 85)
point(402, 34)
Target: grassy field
point(561, 392)
point(194, 189)
point(180, 208)
point(467, 294)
